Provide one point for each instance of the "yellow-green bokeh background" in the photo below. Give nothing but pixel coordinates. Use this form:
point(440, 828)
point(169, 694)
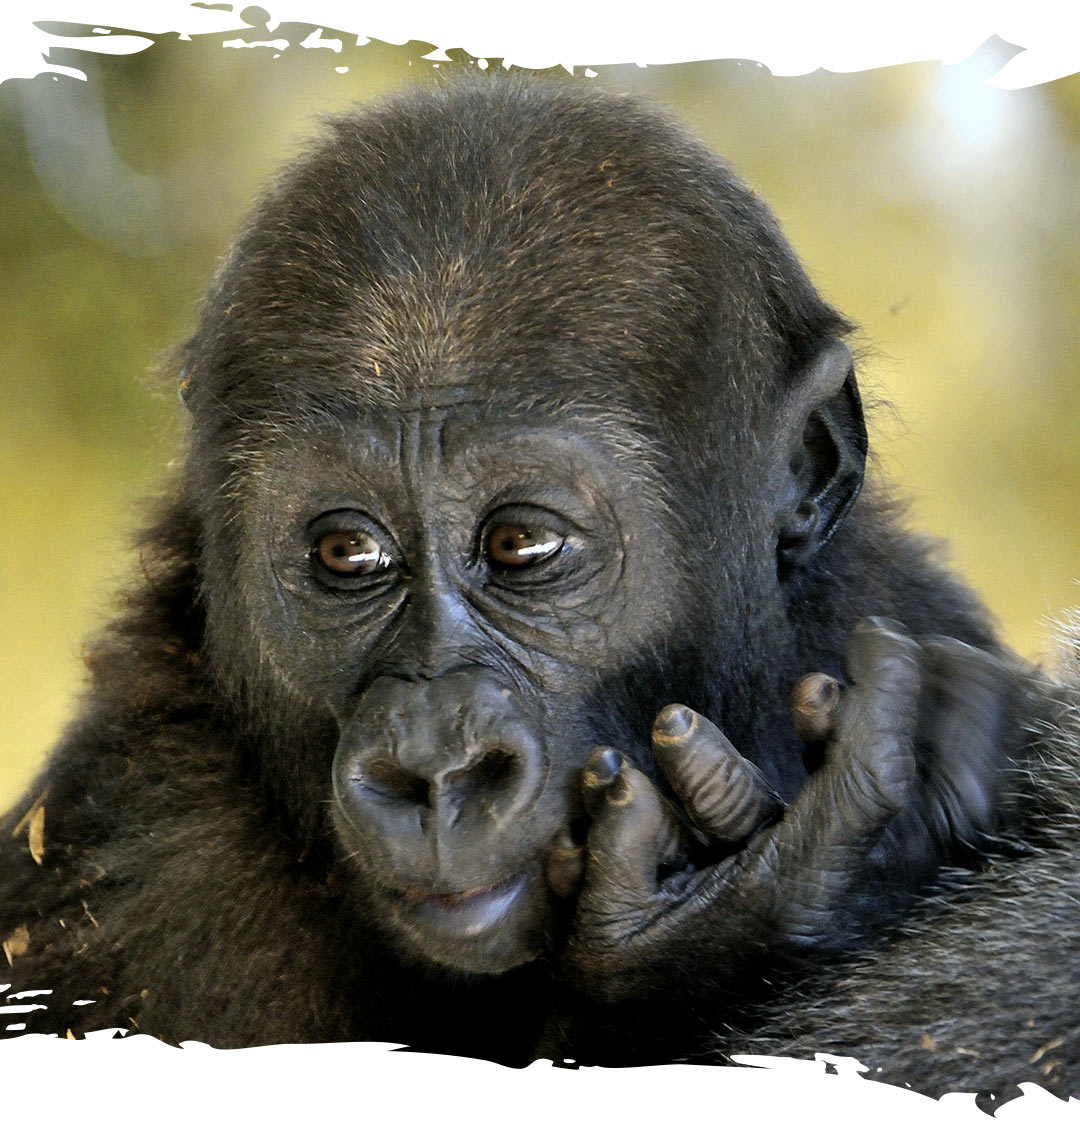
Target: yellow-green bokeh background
point(941, 214)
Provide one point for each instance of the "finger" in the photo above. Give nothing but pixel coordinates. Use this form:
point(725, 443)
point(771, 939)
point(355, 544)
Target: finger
point(564, 865)
point(815, 701)
point(723, 794)
point(970, 725)
point(633, 832)
point(867, 777)
point(884, 664)
point(870, 637)
point(600, 771)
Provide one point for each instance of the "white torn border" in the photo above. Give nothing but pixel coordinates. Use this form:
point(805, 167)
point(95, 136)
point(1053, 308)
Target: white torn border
point(789, 38)
point(101, 1079)
point(137, 1078)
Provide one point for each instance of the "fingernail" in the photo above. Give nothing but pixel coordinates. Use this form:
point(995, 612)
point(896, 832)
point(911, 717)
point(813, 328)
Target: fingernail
point(817, 692)
point(674, 721)
point(602, 766)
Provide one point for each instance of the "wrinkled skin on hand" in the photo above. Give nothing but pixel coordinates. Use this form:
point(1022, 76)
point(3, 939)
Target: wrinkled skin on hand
point(728, 877)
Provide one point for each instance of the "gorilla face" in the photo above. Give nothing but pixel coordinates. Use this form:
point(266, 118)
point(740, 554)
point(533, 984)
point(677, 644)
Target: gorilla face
point(455, 583)
point(492, 460)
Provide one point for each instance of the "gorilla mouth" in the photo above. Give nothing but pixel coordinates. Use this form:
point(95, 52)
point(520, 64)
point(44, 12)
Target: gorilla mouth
point(485, 930)
point(466, 913)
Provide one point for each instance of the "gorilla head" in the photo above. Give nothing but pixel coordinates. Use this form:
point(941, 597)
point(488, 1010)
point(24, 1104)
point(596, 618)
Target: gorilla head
point(514, 420)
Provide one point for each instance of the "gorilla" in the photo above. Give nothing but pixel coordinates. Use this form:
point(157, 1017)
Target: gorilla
point(519, 667)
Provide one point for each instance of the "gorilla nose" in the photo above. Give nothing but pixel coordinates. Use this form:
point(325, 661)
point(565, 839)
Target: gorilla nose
point(483, 780)
point(450, 761)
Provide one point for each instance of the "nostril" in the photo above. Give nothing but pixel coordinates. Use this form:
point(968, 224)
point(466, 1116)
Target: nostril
point(389, 778)
point(496, 768)
point(492, 773)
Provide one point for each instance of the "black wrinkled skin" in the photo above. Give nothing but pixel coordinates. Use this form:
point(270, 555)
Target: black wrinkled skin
point(459, 303)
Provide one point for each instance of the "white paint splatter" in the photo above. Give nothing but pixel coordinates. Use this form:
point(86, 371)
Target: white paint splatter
point(105, 1079)
point(789, 39)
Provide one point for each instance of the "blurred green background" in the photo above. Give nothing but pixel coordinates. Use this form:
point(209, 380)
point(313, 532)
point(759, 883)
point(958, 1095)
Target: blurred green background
point(941, 214)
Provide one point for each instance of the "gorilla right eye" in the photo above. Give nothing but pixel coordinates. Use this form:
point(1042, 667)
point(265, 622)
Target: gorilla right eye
point(351, 553)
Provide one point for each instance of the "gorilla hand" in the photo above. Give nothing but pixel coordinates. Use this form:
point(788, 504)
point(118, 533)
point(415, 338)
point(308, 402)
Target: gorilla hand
point(914, 750)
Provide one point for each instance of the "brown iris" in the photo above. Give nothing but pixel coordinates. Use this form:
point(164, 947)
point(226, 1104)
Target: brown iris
point(351, 552)
point(515, 544)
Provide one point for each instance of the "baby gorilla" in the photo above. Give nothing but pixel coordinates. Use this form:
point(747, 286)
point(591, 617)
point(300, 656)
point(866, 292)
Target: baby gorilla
point(515, 424)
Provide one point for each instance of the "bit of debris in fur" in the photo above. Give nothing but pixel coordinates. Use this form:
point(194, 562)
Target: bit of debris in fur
point(33, 823)
point(36, 835)
point(1046, 1047)
point(927, 1043)
point(17, 943)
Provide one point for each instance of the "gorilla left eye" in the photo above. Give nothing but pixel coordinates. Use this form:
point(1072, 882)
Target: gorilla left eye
point(518, 544)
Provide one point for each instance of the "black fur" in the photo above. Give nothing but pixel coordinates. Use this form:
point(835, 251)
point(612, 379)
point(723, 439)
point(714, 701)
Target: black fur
point(547, 252)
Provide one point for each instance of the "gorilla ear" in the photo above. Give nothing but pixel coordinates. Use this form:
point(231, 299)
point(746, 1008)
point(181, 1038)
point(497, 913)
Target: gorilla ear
point(825, 446)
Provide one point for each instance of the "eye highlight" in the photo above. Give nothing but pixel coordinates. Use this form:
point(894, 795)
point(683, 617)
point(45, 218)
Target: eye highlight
point(520, 545)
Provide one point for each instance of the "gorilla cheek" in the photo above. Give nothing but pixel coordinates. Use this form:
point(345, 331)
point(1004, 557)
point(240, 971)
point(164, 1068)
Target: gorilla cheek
point(444, 802)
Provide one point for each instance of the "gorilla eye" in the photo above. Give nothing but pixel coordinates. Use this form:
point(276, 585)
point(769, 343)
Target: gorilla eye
point(351, 553)
point(518, 544)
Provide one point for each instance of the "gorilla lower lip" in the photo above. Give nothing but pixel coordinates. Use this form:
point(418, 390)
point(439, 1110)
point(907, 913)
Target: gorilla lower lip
point(468, 912)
